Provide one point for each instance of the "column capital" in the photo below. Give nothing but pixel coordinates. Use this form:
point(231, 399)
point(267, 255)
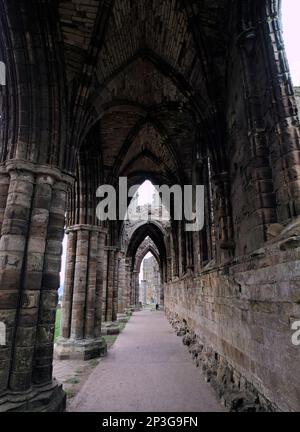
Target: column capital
point(111, 248)
point(37, 169)
point(246, 37)
point(221, 177)
point(83, 227)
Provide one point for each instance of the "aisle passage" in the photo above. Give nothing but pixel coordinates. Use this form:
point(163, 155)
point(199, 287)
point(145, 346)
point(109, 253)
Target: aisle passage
point(147, 369)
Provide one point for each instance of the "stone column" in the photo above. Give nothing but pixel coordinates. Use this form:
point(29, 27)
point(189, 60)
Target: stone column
point(68, 288)
point(224, 227)
point(81, 320)
point(169, 268)
point(132, 289)
point(110, 324)
point(43, 355)
point(104, 294)
point(161, 294)
point(285, 142)
point(127, 293)
point(100, 276)
point(30, 250)
point(137, 291)
point(116, 281)
point(109, 316)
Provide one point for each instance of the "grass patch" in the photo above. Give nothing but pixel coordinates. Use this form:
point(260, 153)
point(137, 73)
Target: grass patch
point(72, 381)
point(122, 325)
point(94, 363)
point(110, 339)
point(57, 323)
point(150, 306)
point(70, 392)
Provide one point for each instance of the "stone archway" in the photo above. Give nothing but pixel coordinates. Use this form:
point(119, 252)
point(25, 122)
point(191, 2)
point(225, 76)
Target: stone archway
point(94, 93)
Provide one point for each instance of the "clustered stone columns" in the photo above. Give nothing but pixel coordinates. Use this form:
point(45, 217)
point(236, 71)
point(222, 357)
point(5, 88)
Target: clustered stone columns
point(4, 185)
point(122, 289)
point(285, 142)
point(30, 254)
point(161, 293)
point(82, 301)
point(110, 292)
point(258, 154)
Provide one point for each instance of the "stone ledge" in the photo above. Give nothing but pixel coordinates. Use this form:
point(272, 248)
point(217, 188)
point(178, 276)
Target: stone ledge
point(110, 328)
point(46, 398)
point(81, 349)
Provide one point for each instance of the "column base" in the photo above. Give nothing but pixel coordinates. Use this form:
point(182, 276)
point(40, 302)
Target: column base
point(46, 398)
point(79, 349)
point(110, 328)
point(122, 317)
point(128, 311)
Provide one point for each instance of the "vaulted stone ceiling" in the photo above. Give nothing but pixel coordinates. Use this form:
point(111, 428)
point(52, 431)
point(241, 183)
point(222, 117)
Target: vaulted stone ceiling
point(141, 69)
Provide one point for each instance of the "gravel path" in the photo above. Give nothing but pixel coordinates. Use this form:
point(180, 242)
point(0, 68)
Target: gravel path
point(147, 370)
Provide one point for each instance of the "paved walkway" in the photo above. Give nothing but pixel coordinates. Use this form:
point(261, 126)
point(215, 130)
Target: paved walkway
point(148, 369)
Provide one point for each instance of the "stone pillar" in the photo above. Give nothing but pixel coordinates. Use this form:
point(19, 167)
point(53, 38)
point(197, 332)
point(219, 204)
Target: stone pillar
point(109, 316)
point(100, 275)
point(225, 242)
point(161, 294)
point(121, 284)
point(260, 175)
point(110, 306)
point(285, 142)
point(42, 363)
point(135, 288)
point(131, 289)
point(81, 320)
point(116, 281)
point(30, 253)
point(169, 268)
point(4, 185)
point(68, 288)
point(104, 294)
point(80, 283)
point(127, 301)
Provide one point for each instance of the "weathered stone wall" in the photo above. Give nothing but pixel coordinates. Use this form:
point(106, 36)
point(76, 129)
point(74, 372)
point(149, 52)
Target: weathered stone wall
point(242, 314)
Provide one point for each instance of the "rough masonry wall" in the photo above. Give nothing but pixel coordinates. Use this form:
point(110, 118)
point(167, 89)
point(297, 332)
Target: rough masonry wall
point(252, 190)
point(243, 313)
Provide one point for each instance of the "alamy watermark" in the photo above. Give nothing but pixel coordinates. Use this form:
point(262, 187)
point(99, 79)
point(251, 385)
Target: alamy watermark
point(296, 335)
point(187, 203)
point(2, 74)
point(2, 334)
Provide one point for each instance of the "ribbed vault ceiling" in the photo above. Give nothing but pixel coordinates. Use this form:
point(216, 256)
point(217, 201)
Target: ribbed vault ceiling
point(141, 69)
